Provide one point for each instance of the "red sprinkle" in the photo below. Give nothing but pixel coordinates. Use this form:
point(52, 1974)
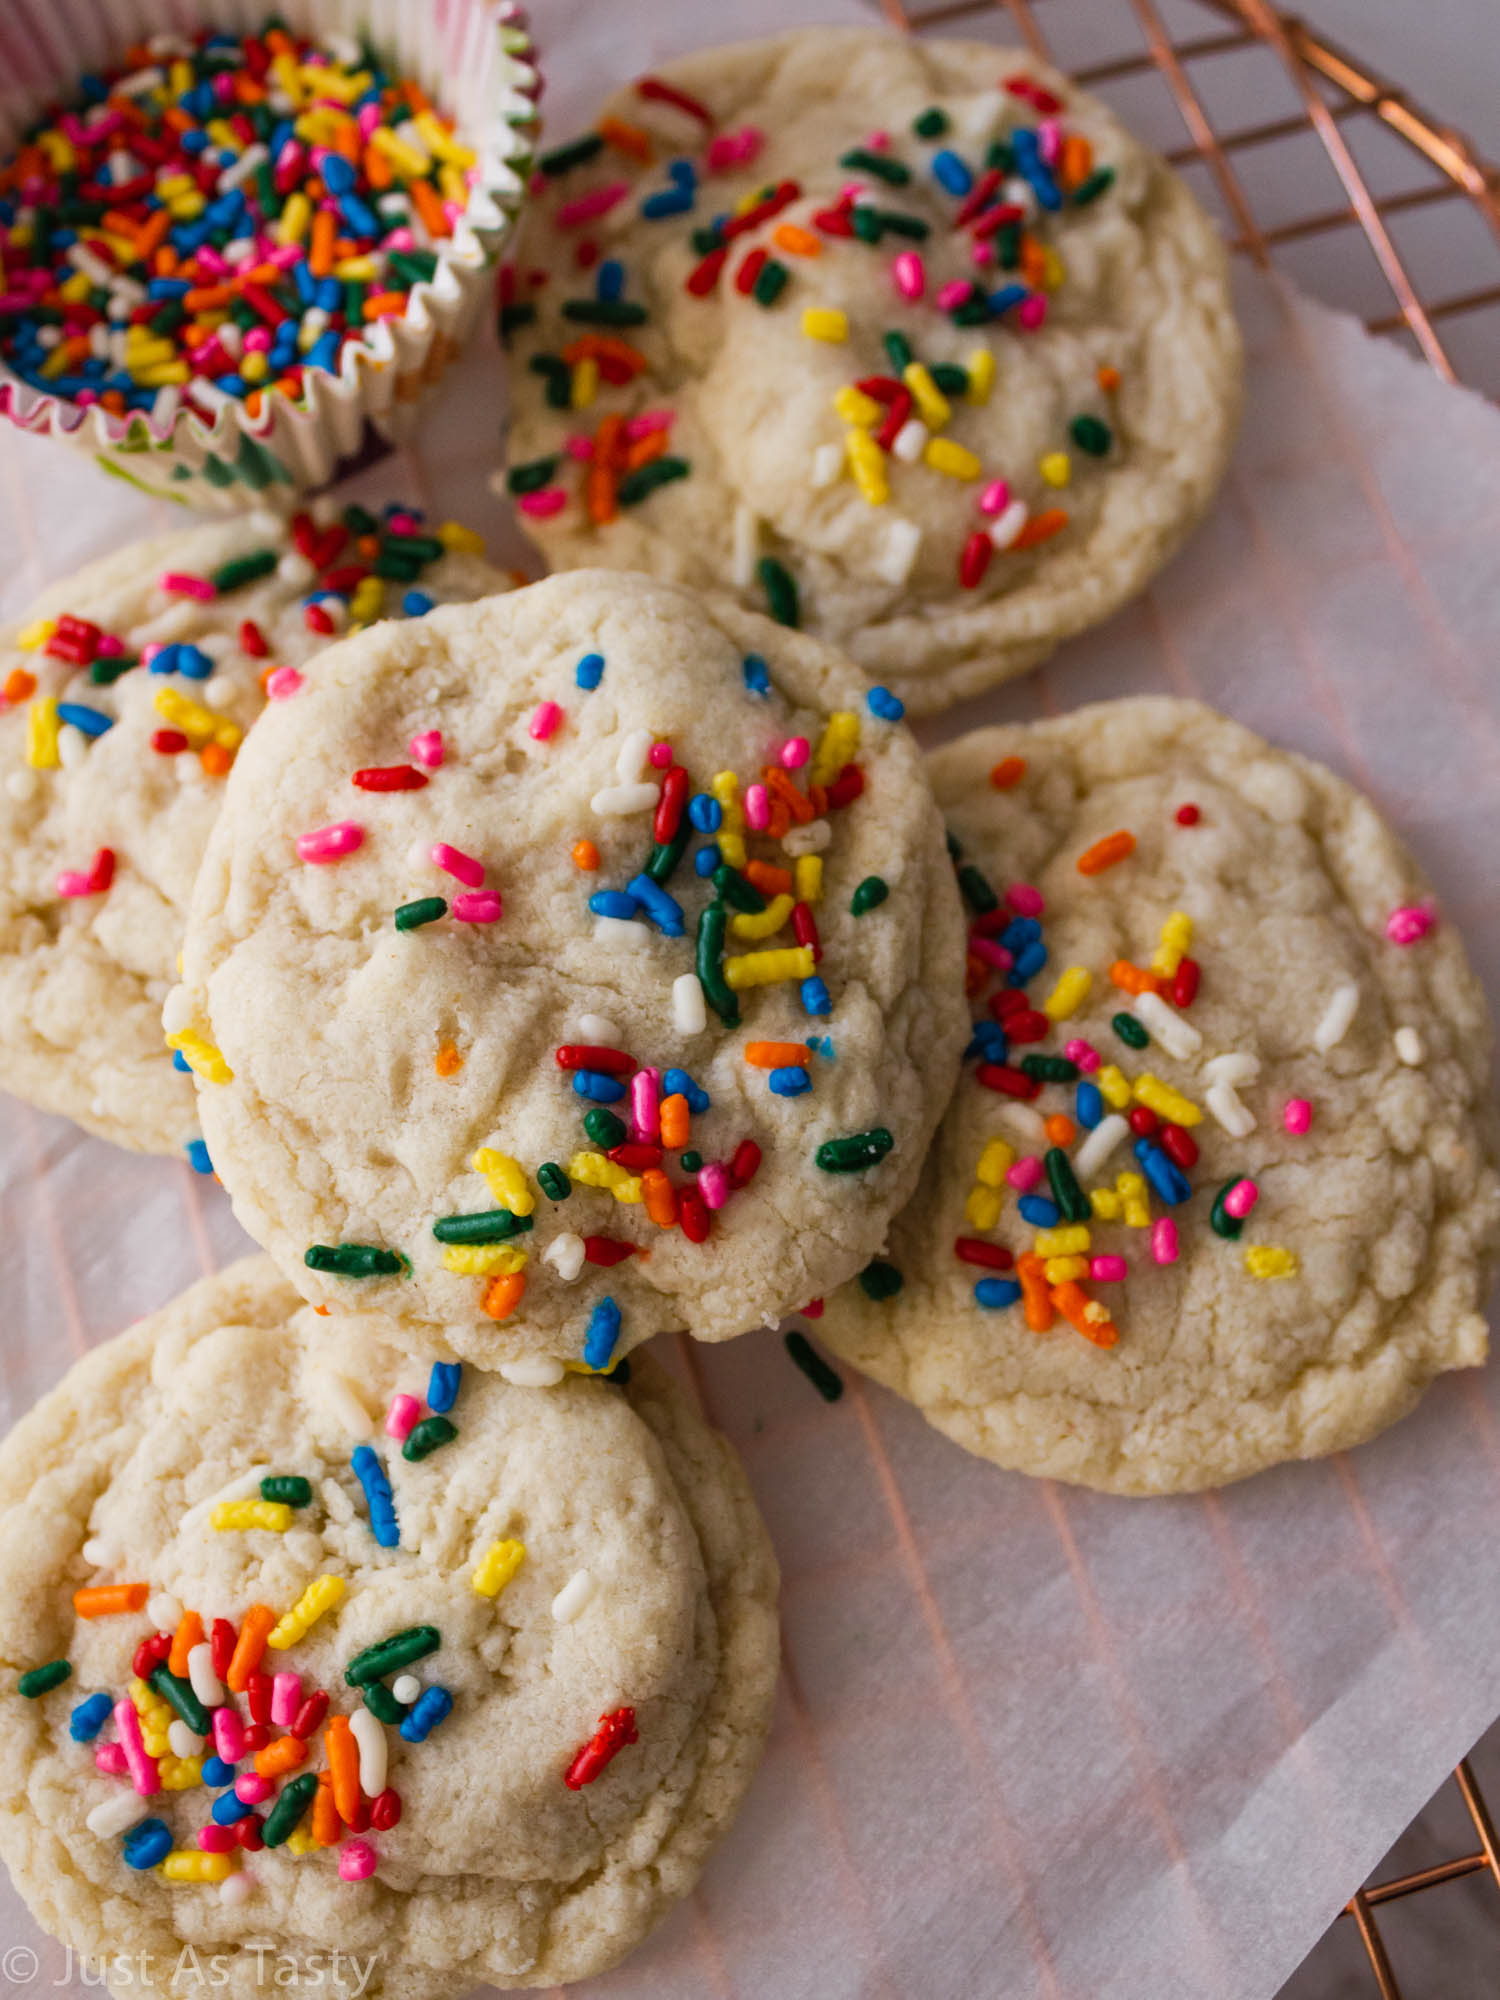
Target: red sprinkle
point(585, 1055)
point(149, 1655)
point(655, 91)
point(813, 1309)
point(669, 805)
point(975, 560)
point(247, 1833)
point(971, 1250)
point(1188, 815)
point(1009, 1082)
point(749, 270)
point(805, 929)
point(846, 787)
point(309, 1715)
point(692, 1213)
point(170, 742)
point(257, 1736)
point(385, 1810)
point(317, 619)
point(1185, 983)
point(258, 1697)
point(253, 640)
point(221, 1645)
point(606, 1250)
point(1025, 1024)
point(701, 280)
point(636, 1156)
point(745, 1164)
point(1179, 1146)
point(390, 778)
point(1143, 1122)
point(608, 1740)
point(1009, 1000)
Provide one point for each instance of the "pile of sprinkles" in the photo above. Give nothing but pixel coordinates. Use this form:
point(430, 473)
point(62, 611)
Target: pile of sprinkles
point(1056, 1162)
point(214, 216)
point(213, 1708)
point(1007, 207)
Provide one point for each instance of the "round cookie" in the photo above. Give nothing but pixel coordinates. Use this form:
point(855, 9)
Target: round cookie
point(123, 698)
point(1324, 1094)
point(910, 340)
point(491, 1052)
point(568, 1556)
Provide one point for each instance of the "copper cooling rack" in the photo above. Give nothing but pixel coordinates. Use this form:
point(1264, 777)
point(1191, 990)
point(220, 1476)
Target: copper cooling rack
point(1350, 191)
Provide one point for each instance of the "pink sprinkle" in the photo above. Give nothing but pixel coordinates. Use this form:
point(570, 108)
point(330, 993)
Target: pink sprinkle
point(258, 340)
point(645, 1106)
point(149, 652)
point(713, 1183)
point(1025, 1174)
point(995, 498)
point(356, 1861)
point(878, 142)
point(1049, 141)
point(1298, 1114)
point(647, 424)
point(327, 843)
point(545, 718)
point(1164, 1240)
point(598, 201)
point(286, 1698)
point(735, 149)
point(480, 906)
point(142, 1769)
point(110, 1759)
point(180, 584)
point(660, 755)
point(550, 500)
point(794, 752)
point(757, 808)
point(251, 1789)
point(399, 1418)
point(1240, 1199)
point(1024, 900)
point(576, 445)
point(110, 646)
point(93, 882)
point(910, 274)
point(1108, 1270)
point(217, 1839)
point(427, 748)
point(229, 1734)
point(955, 293)
point(403, 523)
point(1408, 924)
point(453, 861)
point(982, 252)
point(1084, 1054)
point(282, 683)
point(1032, 311)
point(992, 953)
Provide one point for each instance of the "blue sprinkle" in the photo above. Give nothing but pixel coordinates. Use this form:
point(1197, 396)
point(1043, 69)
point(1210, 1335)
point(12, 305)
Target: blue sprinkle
point(198, 1160)
point(663, 910)
point(194, 663)
point(217, 1772)
point(430, 1708)
point(590, 670)
point(89, 1718)
point(995, 1292)
point(598, 1086)
point(670, 201)
point(1027, 965)
point(1038, 1211)
point(757, 674)
point(1007, 296)
point(1167, 1179)
point(989, 1043)
point(824, 1046)
point(816, 998)
point(609, 280)
point(180, 1061)
point(442, 1386)
point(1018, 933)
point(92, 721)
point(613, 903)
point(950, 172)
point(682, 172)
point(677, 1083)
point(371, 1475)
point(227, 1808)
point(705, 812)
point(707, 858)
point(1088, 1104)
point(1031, 169)
point(165, 661)
point(329, 295)
point(416, 603)
point(359, 215)
point(604, 1331)
point(793, 1081)
point(147, 1844)
point(889, 707)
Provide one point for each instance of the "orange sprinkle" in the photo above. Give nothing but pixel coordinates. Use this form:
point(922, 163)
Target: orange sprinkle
point(676, 1120)
point(322, 1311)
point(653, 445)
point(780, 786)
point(285, 1754)
point(599, 491)
point(777, 1055)
point(378, 170)
point(1077, 161)
point(1041, 528)
point(113, 400)
point(1033, 260)
point(770, 881)
point(204, 298)
point(320, 246)
point(326, 1829)
point(976, 974)
point(797, 242)
point(1035, 1299)
point(659, 1197)
point(417, 98)
point(429, 206)
point(625, 138)
point(602, 347)
point(1106, 852)
point(1108, 380)
point(19, 685)
point(342, 1753)
point(447, 1061)
point(1060, 1129)
point(585, 856)
point(503, 1294)
point(1129, 978)
point(104, 1600)
point(249, 1647)
point(385, 305)
point(1084, 1315)
point(1007, 773)
point(215, 759)
point(189, 1633)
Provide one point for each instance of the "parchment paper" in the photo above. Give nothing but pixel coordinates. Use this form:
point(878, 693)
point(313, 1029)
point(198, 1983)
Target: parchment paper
point(1030, 1742)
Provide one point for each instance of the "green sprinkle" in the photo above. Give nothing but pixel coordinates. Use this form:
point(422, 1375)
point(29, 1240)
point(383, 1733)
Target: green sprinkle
point(179, 1692)
point(881, 165)
point(604, 312)
point(865, 223)
point(425, 910)
point(709, 963)
point(530, 477)
point(289, 1488)
point(828, 1383)
point(899, 348)
point(780, 587)
point(243, 569)
point(1091, 189)
point(418, 267)
point(691, 1162)
point(1066, 1192)
point(954, 846)
point(973, 312)
point(384, 1706)
point(1008, 246)
point(1050, 1069)
point(281, 1820)
point(354, 1260)
point(706, 241)
point(513, 318)
point(879, 1280)
point(870, 894)
point(359, 520)
point(770, 283)
point(425, 1437)
point(604, 1128)
point(931, 123)
point(666, 854)
point(1092, 435)
point(42, 1680)
point(390, 1655)
point(976, 890)
point(950, 378)
point(559, 380)
point(1000, 155)
point(734, 888)
point(104, 673)
point(574, 154)
point(552, 1181)
point(1130, 1031)
point(851, 1155)
point(1220, 1220)
point(898, 222)
point(646, 478)
point(494, 1225)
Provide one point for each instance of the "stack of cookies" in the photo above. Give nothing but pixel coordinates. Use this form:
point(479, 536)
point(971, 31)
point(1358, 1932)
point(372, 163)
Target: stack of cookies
point(554, 967)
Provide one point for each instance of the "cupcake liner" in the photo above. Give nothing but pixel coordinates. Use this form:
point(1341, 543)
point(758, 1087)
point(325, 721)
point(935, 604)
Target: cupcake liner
point(474, 59)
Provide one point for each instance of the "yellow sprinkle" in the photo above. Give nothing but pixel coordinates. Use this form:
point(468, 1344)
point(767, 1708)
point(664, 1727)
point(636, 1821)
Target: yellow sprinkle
point(998, 1155)
point(855, 407)
point(439, 139)
point(596, 1171)
point(757, 924)
point(983, 1207)
point(300, 1840)
point(296, 217)
point(158, 378)
point(1058, 1270)
point(201, 1057)
point(199, 724)
point(186, 1864)
point(1269, 1260)
point(1055, 467)
point(180, 1774)
point(155, 1742)
point(980, 365)
point(254, 367)
point(585, 384)
point(1176, 936)
point(765, 968)
point(825, 323)
point(407, 159)
point(932, 404)
point(807, 877)
point(837, 746)
point(1054, 270)
point(35, 635)
point(1071, 1241)
point(454, 535)
point(506, 1178)
point(483, 1260)
point(1133, 1203)
point(946, 455)
point(273, 1515)
point(320, 1595)
point(725, 787)
point(1069, 994)
point(42, 729)
point(1105, 1203)
point(867, 466)
point(1111, 1082)
point(497, 1566)
point(361, 269)
point(1166, 1102)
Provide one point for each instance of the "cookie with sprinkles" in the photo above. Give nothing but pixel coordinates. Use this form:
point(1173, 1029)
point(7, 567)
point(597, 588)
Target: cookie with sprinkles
point(1218, 1188)
point(124, 696)
point(574, 966)
point(309, 1648)
point(909, 342)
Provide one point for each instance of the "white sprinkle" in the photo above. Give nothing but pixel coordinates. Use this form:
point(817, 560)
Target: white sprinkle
point(114, 1814)
point(689, 1014)
point(1017, 193)
point(163, 409)
point(265, 522)
point(1099, 1144)
point(336, 1500)
point(809, 839)
point(575, 1596)
point(343, 1403)
point(1234, 1067)
point(184, 1742)
point(1008, 523)
point(23, 785)
point(72, 748)
point(406, 1687)
point(616, 800)
point(536, 1371)
point(632, 756)
point(1337, 1016)
point(97, 1552)
point(898, 551)
point(1236, 1118)
point(242, 168)
point(1030, 1124)
point(164, 1610)
point(295, 570)
point(598, 1030)
point(565, 1254)
point(237, 1888)
point(909, 441)
point(746, 547)
point(177, 621)
point(369, 1734)
point(620, 931)
point(827, 464)
point(204, 1682)
point(1178, 1037)
point(1409, 1047)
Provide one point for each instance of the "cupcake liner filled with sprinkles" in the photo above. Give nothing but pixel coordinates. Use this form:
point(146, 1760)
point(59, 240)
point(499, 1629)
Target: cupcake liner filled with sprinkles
point(226, 251)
